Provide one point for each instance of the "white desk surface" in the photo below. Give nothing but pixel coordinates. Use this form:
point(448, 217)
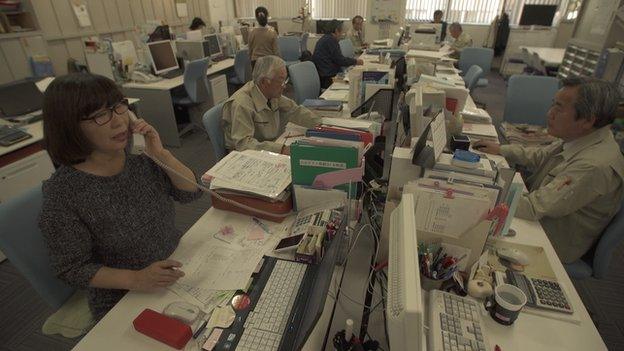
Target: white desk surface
point(168, 84)
point(550, 56)
point(116, 332)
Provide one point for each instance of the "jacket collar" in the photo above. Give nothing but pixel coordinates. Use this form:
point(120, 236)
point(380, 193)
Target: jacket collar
point(575, 146)
point(259, 100)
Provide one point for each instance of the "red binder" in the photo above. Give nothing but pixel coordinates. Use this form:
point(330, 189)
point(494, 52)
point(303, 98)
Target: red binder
point(365, 137)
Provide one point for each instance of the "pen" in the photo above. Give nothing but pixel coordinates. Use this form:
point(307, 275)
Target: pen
point(201, 328)
point(262, 225)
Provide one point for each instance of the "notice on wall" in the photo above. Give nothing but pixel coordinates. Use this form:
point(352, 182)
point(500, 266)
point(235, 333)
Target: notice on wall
point(181, 8)
point(82, 13)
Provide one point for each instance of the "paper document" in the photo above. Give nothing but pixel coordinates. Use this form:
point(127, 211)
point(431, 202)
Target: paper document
point(207, 299)
point(331, 94)
point(267, 174)
point(438, 134)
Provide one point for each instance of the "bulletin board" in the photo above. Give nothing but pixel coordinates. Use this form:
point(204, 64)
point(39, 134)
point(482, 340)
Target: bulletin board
point(386, 11)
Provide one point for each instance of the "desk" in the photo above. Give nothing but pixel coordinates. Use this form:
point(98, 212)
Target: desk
point(115, 330)
point(157, 106)
point(552, 57)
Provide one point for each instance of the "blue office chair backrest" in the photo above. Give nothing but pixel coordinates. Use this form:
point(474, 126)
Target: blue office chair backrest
point(472, 77)
point(481, 57)
point(196, 80)
point(304, 41)
point(611, 238)
point(529, 98)
point(346, 48)
point(212, 123)
point(242, 66)
point(22, 242)
point(305, 81)
point(289, 47)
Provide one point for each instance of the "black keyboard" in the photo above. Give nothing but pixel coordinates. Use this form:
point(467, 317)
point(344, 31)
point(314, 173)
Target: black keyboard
point(218, 58)
point(173, 74)
point(11, 135)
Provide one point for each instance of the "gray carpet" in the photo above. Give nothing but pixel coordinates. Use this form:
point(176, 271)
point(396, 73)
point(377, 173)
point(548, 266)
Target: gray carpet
point(22, 312)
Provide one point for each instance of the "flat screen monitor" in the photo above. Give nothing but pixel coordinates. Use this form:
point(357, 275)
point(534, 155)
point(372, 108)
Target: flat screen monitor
point(274, 25)
point(194, 35)
point(538, 15)
point(163, 57)
point(214, 46)
point(19, 98)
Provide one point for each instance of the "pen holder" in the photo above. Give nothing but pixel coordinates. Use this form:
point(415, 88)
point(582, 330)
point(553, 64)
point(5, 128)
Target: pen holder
point(429, 284)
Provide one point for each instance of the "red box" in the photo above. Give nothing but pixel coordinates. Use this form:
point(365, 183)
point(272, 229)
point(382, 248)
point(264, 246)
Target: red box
point(162, 328)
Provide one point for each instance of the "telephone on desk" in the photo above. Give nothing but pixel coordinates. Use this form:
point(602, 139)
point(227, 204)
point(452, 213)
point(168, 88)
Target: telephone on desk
point(143, 77)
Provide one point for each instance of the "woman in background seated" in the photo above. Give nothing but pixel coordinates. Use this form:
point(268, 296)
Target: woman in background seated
point(197, 24)
point(108, 216)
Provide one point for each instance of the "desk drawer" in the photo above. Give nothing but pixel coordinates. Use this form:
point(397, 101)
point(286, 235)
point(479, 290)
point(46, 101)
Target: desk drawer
point(24, 174)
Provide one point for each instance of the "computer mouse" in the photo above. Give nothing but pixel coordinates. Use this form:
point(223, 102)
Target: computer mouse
point(514, 256)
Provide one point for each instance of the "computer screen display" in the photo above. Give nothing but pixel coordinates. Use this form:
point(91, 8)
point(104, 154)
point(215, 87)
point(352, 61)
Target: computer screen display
point(163, 57)
point(214, 47)
point(538, 15)
point(19, 98)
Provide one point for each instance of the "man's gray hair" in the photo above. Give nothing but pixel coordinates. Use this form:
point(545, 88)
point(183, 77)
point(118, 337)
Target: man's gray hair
point(596, 97)
point(266, 67)
point(456, 25)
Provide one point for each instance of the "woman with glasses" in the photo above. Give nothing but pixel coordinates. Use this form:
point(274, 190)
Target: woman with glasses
point(108, 216)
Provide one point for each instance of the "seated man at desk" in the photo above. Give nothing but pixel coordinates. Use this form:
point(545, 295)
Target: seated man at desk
point(107, 216)
point(577, 182)
point(257, 113)
point(355, 34)
point(327, 56)
point(461, 39)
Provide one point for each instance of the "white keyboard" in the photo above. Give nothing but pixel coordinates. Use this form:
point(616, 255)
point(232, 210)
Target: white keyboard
point(455, 323)
point(266, 323)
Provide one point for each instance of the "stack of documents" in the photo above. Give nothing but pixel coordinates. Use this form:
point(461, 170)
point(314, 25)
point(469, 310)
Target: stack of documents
point(485, 168)
point(526, 134)
point(260, 173)
point(323, 105)
point(480, 131)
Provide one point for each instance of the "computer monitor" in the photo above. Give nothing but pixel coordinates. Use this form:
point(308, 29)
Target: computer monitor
point(214, 46)
point(191, 50)
point(382, 101)
point(538, 15)
point(162, 56)
point(194, 35)
point(405, 309)
point(274, 25)
point(19, 98)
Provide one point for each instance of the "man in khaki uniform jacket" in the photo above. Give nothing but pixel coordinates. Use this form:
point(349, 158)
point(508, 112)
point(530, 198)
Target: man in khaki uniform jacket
point(257, 114)
point(462, 39)
point(577, 182)
point(355, 34)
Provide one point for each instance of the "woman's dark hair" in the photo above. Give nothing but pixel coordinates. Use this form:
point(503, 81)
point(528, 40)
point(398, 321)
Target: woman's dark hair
point(197, 23)
point(68, 100)
point(333, 26)
point(262, 15)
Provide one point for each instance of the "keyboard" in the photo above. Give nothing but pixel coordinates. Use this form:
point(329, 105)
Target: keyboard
point(541, 293)
point(266, 323)
point(455, 323)
point(173, 74)
point(219, 58)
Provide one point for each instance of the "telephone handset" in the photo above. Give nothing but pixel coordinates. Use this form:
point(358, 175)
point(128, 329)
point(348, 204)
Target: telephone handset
point(138, 140)
point(138, 147)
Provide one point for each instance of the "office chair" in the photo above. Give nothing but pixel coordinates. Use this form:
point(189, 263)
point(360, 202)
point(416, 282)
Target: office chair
point(212, 124)
point(196, 88)
point(481, 57)
point(529, 98)
point(346, 48)
point(242, 68)
point(305, 81)
point(472, 77)
point(289, 47)
point(596, 262)
point(22, 242)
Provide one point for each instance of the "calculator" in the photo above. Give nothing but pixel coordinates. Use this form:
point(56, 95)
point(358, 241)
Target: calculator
point(305, 220)
point(541, 293)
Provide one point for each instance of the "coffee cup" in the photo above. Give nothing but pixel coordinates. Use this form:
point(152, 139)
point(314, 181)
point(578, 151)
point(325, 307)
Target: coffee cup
point(505, 304)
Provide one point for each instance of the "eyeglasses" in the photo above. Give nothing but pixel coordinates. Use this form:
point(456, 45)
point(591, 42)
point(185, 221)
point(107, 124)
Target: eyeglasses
point(283, 83)
point(104, 116)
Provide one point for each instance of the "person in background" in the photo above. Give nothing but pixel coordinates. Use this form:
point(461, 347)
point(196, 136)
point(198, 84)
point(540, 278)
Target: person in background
point(262, 40)
point(108, 216)
point(327, 56)
point(197, 24)
point(437, 18)
point(577, 182)
point(461, 39)
point(257, 114)
point(356, 35)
